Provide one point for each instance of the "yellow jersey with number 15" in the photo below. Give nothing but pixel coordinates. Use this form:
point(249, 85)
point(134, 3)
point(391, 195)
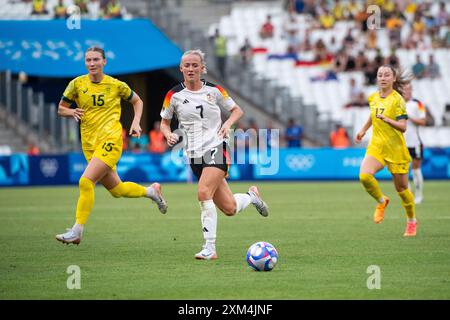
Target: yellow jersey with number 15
point(386, 140)
point(101, 104)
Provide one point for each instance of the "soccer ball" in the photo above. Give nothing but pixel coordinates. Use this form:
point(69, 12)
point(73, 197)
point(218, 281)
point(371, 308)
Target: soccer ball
point(262, 256)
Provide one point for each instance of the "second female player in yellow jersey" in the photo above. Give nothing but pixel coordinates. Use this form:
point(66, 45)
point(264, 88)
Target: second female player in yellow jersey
point(98, 98)
point(387, 146)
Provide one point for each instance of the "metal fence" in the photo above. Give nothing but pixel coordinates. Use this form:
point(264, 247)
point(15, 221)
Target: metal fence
point(34, 120)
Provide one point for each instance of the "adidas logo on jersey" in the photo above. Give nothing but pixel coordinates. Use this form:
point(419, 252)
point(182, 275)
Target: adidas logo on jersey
point(185, 101)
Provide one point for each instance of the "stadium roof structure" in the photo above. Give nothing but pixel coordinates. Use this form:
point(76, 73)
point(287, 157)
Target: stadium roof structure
point(55, 48)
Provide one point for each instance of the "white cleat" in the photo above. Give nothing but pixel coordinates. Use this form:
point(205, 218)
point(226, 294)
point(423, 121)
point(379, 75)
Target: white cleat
point(259, 204)
point(157, 197)
point(69, 237)
point(208, 253)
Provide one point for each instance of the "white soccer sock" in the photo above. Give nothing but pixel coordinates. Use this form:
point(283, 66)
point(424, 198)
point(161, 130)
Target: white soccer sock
point(418, 181)
point(150, 192)
point(242, 201)
point(78, 228)
point(209, 221)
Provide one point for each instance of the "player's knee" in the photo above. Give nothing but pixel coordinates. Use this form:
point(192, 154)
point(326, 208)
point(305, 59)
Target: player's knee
point(85, 185)
point(229, 209)
point(203, 193)
point(117, 191)
point(365, 178)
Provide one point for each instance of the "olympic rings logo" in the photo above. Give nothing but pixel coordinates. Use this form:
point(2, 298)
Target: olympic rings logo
point(300, 162)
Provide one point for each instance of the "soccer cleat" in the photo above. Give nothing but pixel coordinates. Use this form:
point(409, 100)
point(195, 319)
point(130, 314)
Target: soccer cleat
point(259, 204)
point(69, 237)
point(158, 197)
point(207, 253)
point(379, 211)
point(411, 228)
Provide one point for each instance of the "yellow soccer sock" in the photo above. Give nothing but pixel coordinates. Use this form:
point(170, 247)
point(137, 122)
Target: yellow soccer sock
point(371, 185)
point(85, 200)
point(408, 203)
point(128, 190)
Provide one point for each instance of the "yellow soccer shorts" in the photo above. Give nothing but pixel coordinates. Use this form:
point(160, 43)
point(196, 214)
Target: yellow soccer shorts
point(108, 152)
point(394, 168)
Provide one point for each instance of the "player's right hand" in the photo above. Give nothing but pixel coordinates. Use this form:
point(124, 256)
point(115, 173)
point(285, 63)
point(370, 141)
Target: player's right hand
point(172, 139)
point(359, 136)
point(77, 114)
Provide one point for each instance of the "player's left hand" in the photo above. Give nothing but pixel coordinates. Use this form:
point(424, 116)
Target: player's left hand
point(135, 130)
point(382, 117)
point(223, 132)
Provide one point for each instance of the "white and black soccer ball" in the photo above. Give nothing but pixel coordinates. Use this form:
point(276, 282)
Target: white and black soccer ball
point(262, 256)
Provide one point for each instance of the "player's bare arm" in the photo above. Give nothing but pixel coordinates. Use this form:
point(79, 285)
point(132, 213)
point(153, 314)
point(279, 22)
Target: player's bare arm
point(399, 125)
point(172, 138)
point(64, 110)
point(236, 114)
point(363, 131)
point(138, 106)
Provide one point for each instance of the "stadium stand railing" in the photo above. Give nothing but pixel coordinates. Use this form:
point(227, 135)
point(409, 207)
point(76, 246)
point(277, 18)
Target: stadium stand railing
point(31, 120)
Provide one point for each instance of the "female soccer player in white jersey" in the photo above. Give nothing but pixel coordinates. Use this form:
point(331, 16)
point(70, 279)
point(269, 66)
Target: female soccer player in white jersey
point(98, 97)
point(387, 146)
point(197, 105)
point(416, 118)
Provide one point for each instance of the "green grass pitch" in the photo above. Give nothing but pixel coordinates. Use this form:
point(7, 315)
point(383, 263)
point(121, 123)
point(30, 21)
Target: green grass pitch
point(323, 232)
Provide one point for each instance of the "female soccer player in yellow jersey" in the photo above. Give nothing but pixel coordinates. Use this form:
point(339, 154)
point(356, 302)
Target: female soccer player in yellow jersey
point(197, 105)
point(98, 97)
point(387, 146)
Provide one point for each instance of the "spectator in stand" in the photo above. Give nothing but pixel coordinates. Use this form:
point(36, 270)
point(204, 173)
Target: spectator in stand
point(355, 92)
point(220, 52)
point(371, 72)
point(246, 53)
point(349, 40)
point(94, 8)
point(267, 29)
point(320, 51)
point(82, 4)
point(371, 40)
point(306, 44)
point(393, 59)
point(326, 19)
point(361, 19)
point(340, 61)
point(293, 134)
point(361, 62)
point(33, 149)
point(60, 10)
point(339, 137)
point(338, 10)
point(443, 17)
point(291, 30)
point(432, 69)
point(157, 142)
point(333, 46)
point(394, 25)
point(352, 9)
point(39, 7)
point(419, 69)
point(113, 10)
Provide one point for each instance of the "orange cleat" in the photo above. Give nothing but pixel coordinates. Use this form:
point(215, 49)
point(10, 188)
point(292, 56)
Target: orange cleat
point(379, 211)
point(411, 228)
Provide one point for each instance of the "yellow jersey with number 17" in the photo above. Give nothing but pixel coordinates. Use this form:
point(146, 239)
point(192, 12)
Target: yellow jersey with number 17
point(101, 104)
point(387, 141)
